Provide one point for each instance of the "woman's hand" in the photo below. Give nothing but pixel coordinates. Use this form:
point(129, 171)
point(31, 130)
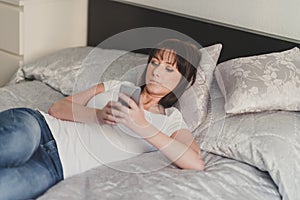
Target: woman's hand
point(105, 115)
point(133, 116)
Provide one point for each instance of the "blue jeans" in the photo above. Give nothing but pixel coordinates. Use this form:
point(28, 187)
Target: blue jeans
point(29, 160)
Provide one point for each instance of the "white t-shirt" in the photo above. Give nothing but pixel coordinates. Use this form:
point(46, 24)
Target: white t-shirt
point(83, 146)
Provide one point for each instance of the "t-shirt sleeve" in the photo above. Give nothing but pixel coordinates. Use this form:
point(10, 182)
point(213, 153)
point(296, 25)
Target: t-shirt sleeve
point(176, 122)
point(110, 84)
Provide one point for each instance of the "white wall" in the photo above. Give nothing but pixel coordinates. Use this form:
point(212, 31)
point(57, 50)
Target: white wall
point(278, 18)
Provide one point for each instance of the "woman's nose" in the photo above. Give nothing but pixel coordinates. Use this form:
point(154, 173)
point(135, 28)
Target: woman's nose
point(157, 70)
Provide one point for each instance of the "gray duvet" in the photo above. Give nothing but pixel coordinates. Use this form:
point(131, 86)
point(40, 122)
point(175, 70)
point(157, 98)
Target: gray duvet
point(136, 178)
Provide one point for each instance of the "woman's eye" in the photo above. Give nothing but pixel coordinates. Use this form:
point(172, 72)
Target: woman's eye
point(154, 63)
point(169, 69)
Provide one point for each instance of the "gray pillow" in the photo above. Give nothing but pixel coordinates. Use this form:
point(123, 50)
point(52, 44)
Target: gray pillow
point(58, 70)
point(260, 83)
point(268, 140)
point(107, 64)
point(75, 69)
point(194, 101)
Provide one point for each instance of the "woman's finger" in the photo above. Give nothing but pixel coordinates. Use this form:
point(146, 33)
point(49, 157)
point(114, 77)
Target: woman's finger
point(131, 103)
point(109, 104)
point(109, 116)
point(109, 122)
point(120, 120)
point(118, 113)
point(107, 111)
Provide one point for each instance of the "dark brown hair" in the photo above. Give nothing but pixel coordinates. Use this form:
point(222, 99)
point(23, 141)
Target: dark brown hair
point(187, 58)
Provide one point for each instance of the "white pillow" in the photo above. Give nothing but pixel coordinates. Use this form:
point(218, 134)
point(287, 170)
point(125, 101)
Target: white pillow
point(58, 70)
point(260, 83)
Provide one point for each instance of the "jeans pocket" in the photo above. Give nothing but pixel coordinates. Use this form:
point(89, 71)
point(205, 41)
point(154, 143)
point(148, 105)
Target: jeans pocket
point(50, 149)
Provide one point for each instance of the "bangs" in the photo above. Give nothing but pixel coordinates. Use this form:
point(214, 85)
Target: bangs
point(167, 55)
point(185, 56)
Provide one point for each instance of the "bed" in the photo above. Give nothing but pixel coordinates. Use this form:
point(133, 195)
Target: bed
point(249, 152)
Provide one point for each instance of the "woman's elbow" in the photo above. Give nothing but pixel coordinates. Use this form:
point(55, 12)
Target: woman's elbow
point(197, 164)
point(200, 167)
point(53, 110)
point(56, 108)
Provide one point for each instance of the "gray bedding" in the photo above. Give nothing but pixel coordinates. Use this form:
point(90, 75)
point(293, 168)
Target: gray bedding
point(248, 156)
point(31, 94)
point(223, 179)
point(143, 177)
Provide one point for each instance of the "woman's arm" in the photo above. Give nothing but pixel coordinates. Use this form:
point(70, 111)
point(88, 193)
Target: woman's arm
point(73, 108)
point(185, 137)
point(180, 148)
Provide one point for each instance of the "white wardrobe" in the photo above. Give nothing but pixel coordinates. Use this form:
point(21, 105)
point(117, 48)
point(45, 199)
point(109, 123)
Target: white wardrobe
point(30, 29)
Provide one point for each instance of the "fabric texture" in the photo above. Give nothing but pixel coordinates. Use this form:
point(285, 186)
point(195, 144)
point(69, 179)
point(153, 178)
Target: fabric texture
point(260, 83)
point(267, 140)
point(32, 94)
point(194, 101)
point(144, 177)
point(58, 70)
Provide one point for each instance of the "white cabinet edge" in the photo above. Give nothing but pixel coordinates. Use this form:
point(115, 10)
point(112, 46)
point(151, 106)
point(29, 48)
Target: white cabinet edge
point(22, 2)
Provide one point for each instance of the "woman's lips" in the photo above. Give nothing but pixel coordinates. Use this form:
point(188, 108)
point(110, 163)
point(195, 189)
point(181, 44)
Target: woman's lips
point(154, 81)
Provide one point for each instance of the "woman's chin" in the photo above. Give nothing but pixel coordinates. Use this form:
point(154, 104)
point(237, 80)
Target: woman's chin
point(157, 90)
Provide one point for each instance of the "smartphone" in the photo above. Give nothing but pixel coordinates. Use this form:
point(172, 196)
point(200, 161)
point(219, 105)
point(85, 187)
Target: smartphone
point(133, 92)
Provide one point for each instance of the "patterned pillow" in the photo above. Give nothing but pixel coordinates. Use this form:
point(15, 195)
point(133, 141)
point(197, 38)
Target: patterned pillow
point(260, 83)
point(194, 101)
point(268, 140)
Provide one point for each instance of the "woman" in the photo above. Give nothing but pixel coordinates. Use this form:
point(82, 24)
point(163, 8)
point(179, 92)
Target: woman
point(92, 128)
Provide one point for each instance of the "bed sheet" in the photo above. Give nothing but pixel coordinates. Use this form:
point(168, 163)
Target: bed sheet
point(31, 94)
point(143, 177)
point(223, 178)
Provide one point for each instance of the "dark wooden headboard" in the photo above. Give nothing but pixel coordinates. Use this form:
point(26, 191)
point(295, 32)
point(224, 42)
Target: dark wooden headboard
point(107, 18)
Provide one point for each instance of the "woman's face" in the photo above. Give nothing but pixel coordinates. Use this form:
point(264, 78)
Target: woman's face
point(162, 75)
